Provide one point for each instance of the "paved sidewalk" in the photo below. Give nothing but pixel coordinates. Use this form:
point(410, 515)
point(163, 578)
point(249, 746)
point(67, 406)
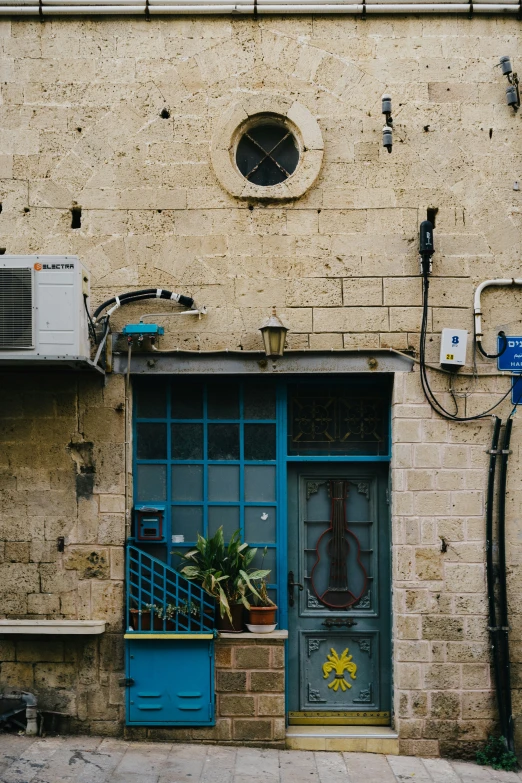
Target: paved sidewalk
point(97, 760)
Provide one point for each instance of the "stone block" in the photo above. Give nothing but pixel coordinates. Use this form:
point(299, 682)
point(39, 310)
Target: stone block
point(223, 656)
point(17, 675)
point(277, 656)
point(16, 552)
point(54, 675)
point(252, 730)
point(46, 650)
point(440, 627)
point(445, 705)
point(236, 705)
point(267, 681)
point(271, 705)
point(231, 681)
point(255, 657)
point(89, 562)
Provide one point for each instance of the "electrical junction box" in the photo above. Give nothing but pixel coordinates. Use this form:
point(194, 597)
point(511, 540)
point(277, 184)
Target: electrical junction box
point(453, 347)
point(43, 308)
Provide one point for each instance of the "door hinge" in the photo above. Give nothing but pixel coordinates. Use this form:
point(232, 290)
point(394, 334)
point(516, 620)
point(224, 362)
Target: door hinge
point(387, 496)
point(126, 682)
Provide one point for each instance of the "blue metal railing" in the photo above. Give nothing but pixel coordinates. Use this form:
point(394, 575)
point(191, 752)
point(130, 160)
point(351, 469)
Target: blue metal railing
point(161, 600)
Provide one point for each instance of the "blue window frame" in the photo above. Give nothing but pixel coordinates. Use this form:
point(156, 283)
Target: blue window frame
point(215, 452)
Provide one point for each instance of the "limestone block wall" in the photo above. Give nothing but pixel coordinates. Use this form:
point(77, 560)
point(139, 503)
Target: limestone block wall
point(61, 475)
point(250, 697)
point(81, 126)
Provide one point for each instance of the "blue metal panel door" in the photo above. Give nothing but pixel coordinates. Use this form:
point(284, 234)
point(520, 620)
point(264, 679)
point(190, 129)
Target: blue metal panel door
point(171, 682)
point(339, 551)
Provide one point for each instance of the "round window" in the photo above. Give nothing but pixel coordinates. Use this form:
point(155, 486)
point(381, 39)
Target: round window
point(267, 153)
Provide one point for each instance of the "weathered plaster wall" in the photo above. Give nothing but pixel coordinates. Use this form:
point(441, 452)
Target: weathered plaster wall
point(80, 125)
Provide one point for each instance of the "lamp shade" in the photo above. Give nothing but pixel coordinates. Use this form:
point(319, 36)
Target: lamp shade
point(274, 335)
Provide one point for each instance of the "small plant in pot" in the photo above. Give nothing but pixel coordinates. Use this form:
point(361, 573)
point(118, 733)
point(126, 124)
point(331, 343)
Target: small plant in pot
point(262, 608)
point(224, 572)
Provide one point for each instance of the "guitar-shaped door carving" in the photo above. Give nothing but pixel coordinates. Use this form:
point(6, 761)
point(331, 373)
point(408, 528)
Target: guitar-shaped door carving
point(338, 549)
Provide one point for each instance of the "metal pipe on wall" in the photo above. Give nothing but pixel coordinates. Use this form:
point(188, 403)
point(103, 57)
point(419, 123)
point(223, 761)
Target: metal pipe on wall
point(166, 7)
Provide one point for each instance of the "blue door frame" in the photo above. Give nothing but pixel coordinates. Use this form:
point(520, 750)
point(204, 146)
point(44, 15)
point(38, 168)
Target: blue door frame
point(378, 383)
point(281, 462)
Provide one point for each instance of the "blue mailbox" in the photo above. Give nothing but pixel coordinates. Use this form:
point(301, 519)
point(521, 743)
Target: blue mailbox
point(150, 523)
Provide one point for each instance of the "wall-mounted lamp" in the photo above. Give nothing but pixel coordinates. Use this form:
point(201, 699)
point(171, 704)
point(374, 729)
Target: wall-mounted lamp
point(387, 131)
point(512, 92)
point(274, 335)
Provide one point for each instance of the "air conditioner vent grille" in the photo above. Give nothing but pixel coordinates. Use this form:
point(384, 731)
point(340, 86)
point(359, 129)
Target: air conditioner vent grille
point(16, 308)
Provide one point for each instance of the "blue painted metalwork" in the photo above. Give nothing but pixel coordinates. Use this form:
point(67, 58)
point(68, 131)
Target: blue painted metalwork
point(170, 682)
point(204, 505)
point(147, 329)
point(160, 599)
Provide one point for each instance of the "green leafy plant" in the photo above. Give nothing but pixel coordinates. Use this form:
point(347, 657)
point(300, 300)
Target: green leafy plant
point(261, 597)
point(495, 754)
point(223, 571)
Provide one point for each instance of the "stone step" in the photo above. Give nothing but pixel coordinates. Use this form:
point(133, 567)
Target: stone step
point(357, 739)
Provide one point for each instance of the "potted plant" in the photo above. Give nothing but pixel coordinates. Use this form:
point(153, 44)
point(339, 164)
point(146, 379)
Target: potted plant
point(262, 608)
point(224, 572)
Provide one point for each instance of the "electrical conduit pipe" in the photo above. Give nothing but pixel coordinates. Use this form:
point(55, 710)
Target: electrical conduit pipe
point(477, 310)
point(193, 7)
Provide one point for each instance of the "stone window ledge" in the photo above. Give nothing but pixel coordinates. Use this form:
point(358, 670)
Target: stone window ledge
point(55, 627)
point(266, 637)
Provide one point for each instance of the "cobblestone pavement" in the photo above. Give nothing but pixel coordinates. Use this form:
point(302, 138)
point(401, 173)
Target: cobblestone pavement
point(97, 760)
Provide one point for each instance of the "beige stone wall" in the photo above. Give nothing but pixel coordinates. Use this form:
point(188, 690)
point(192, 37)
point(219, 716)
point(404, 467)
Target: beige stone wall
point(80, 125)
point(61, 474)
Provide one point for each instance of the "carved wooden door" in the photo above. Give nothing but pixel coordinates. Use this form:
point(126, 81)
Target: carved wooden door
point(339, 594)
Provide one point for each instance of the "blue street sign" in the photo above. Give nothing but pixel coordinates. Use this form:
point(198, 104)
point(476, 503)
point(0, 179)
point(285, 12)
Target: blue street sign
point(511, 359)
point(516, 390)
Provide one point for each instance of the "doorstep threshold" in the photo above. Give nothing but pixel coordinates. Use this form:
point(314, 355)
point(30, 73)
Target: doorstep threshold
point(347, 739)
point(337, 732)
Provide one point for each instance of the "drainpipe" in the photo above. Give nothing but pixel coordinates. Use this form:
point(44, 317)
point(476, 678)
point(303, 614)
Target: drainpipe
point(31, 712)
point(503, 632)
point(493, 629)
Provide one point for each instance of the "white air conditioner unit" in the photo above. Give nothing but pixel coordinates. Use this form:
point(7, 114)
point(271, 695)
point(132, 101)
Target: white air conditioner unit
point(43, 310)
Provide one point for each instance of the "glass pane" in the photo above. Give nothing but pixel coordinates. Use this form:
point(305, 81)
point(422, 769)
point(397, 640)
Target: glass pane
point(260, 525)
point(151, 482)
point(259, 402)
point(187, 441)
point(267, 562)
point(223, 441)
point(187, 482)
point(260, 482)
point(187, 400)
point(151, 400)
point(228, 516)
point(187, 521)
point(223, 401)
point(151, 441)
point(223, 482)
point(260, 441)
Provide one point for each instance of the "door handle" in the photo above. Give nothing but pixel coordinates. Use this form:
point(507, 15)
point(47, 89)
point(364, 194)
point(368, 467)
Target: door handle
point(339, 623)
point(291, 585)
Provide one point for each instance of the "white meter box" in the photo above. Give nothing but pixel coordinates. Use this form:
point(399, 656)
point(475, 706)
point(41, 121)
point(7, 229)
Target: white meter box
point(42, 307)
point(453, 347)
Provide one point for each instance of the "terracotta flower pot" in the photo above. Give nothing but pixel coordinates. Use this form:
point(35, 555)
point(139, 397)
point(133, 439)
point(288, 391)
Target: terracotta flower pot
point(224, 624)
point(263, 615)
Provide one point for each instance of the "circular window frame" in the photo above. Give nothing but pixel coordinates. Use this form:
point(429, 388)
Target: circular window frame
point(249, 112)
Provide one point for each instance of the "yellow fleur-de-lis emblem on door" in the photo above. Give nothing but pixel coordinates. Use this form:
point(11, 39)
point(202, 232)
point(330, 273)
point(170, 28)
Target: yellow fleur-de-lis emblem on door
point(339, 665)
